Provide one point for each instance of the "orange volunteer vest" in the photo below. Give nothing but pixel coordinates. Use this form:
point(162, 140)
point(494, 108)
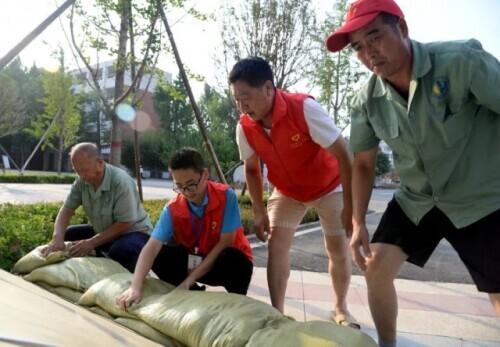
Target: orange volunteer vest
point(211, 220)
point(297, 166)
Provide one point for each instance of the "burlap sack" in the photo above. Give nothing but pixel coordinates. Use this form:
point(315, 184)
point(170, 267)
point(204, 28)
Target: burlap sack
point(309, 334)
point(204, 319)
point(34, 259)
point(63, 292)
point(105, 292)
point(100, 312)
point(145, 330)
point(76, 273)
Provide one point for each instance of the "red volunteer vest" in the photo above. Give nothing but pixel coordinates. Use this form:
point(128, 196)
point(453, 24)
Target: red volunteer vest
point(297, 166)
point(211, 220)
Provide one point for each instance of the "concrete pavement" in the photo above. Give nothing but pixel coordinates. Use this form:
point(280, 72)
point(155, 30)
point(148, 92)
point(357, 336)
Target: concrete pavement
point(432, 310)
point(430, 313)
point(30, 193)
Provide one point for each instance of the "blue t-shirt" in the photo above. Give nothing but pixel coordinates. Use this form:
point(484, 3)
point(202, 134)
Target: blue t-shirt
point(164, 228)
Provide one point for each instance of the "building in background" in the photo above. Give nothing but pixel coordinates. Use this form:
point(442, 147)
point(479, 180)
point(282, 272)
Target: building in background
point(96, 125)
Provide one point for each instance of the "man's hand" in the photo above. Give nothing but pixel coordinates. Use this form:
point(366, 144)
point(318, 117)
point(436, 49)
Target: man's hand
point(128, 298)
point(53, 246)
point(81, 248)
point(360, 240)
point(346, 218)
point(187, 283)
point(261, 225)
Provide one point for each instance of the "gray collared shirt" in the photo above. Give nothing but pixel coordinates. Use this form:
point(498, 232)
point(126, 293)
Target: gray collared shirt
point(115, 200)
point(445, 137)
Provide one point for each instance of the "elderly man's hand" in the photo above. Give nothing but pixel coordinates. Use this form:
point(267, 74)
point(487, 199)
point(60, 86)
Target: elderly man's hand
point(81, 248)
point(53, 246)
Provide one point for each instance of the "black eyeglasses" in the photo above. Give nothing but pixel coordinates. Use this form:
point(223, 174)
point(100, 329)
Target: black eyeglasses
point(188, 188)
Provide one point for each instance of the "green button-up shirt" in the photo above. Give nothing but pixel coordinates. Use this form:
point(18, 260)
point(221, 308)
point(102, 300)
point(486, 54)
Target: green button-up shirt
point(446, 137)
point(115, 200)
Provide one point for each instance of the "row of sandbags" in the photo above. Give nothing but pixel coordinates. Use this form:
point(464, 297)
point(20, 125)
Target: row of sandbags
point(177, 317)
point(70, 278)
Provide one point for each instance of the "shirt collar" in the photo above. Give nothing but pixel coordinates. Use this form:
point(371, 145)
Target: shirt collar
point(106, 181)
point(204, 203)
point(421, 66)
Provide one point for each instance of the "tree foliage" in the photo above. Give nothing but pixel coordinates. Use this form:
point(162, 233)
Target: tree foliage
point(336, 75)
point(222, 119)
point(26, 103)
point(11, 106)
point(130, 33)
point(20, 94)
point(61, 118)
point(279, 31)
point(176, 116)
point(383, 164)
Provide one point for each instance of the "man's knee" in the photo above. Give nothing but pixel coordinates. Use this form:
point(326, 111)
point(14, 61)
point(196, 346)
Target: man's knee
point(336, 248)
point(384, 264)
point(78, 232)
point(280, 242)
point(127, 246)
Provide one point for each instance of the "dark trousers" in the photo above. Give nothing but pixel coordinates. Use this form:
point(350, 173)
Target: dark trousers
point(124, 249)
point(231, 269)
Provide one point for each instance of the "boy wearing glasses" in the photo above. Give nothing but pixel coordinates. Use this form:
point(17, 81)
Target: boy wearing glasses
point(198, 237)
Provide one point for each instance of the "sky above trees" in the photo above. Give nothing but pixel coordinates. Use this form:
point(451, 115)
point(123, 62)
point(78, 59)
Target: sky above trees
point(199, 42)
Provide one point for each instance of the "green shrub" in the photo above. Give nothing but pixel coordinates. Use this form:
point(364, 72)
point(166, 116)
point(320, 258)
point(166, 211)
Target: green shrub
point(24, 227)
point(244, 200)
point(16, 178)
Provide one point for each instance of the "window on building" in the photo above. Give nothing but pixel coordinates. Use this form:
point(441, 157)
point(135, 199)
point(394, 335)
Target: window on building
point(111, 72)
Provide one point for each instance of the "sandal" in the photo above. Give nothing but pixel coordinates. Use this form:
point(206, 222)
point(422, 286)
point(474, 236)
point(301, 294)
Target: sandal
point(345, 320)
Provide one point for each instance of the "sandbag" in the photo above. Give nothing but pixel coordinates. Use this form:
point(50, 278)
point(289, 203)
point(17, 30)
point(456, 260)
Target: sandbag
point(35, 259)
point(76, 273)
point(145, 330)
point(63, 292)
point(100, 312)
point(309, 334)
point(105, 292)
point(204, 319)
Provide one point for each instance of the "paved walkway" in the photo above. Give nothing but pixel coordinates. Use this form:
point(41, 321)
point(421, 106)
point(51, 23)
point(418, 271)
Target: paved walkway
point(30, 193)
point(430, 313)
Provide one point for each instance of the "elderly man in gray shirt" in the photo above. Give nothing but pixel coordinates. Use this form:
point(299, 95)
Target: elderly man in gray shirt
point(119, 226)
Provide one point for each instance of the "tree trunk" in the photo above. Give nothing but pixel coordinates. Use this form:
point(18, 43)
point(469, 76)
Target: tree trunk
point(98, 125)
point(60, 154)
point(116, 131)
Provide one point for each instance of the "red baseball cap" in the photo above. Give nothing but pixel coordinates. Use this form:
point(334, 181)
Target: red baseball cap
point(360, 13)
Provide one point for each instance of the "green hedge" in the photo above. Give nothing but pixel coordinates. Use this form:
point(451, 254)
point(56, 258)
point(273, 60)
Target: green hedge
point(30, 178)
point(24, 227)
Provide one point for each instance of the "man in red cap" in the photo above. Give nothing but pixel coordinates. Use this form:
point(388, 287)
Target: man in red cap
point(437, 106)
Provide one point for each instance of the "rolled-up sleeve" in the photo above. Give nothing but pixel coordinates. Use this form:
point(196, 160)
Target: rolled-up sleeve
point(74, 198)
point(164, 228)
point(362, 136)
point(485, 77)
point(232, 219)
